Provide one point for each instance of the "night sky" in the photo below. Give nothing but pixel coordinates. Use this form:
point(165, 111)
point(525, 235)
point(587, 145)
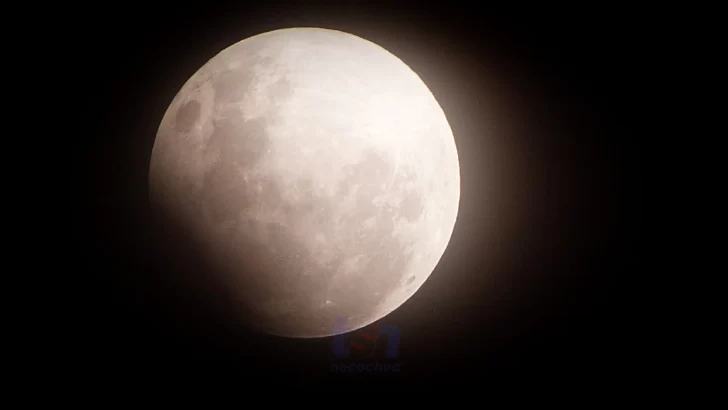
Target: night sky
point(545, 245)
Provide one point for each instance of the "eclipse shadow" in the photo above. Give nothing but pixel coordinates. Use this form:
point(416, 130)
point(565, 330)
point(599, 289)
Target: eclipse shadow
point(196, 301)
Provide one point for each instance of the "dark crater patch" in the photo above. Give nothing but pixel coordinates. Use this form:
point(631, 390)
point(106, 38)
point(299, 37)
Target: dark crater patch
point(187, 115)
point(303, 209)
point(269, 193)
point(240, 146)
point(412, 205)
point(232, 85)
point(280, 90)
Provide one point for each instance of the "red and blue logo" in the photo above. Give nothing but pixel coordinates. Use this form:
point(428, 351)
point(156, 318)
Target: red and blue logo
point(373, 348)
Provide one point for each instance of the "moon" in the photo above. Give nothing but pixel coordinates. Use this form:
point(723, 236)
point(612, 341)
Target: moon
point(318, 172)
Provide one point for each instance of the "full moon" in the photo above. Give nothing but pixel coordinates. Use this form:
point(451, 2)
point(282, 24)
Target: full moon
point(319, 174)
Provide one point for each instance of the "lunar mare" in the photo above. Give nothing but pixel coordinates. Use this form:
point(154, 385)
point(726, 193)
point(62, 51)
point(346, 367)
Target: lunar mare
point(319, 172)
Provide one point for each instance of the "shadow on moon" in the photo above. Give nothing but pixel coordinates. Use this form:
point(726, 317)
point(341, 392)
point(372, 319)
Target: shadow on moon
point(268, 274)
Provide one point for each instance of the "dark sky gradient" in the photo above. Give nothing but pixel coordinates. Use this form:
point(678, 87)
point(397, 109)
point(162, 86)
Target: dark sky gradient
point(546, 240)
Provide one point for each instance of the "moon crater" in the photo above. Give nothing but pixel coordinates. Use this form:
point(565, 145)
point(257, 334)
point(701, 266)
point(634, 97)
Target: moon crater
point(187, 116)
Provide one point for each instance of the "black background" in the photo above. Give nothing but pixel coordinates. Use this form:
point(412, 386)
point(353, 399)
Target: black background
point(540, 103)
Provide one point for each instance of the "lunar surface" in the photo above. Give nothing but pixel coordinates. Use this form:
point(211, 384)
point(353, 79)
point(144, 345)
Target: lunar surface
point(319, 174)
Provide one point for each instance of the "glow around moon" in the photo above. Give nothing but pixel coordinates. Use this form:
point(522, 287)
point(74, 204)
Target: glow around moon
point(319, 172)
